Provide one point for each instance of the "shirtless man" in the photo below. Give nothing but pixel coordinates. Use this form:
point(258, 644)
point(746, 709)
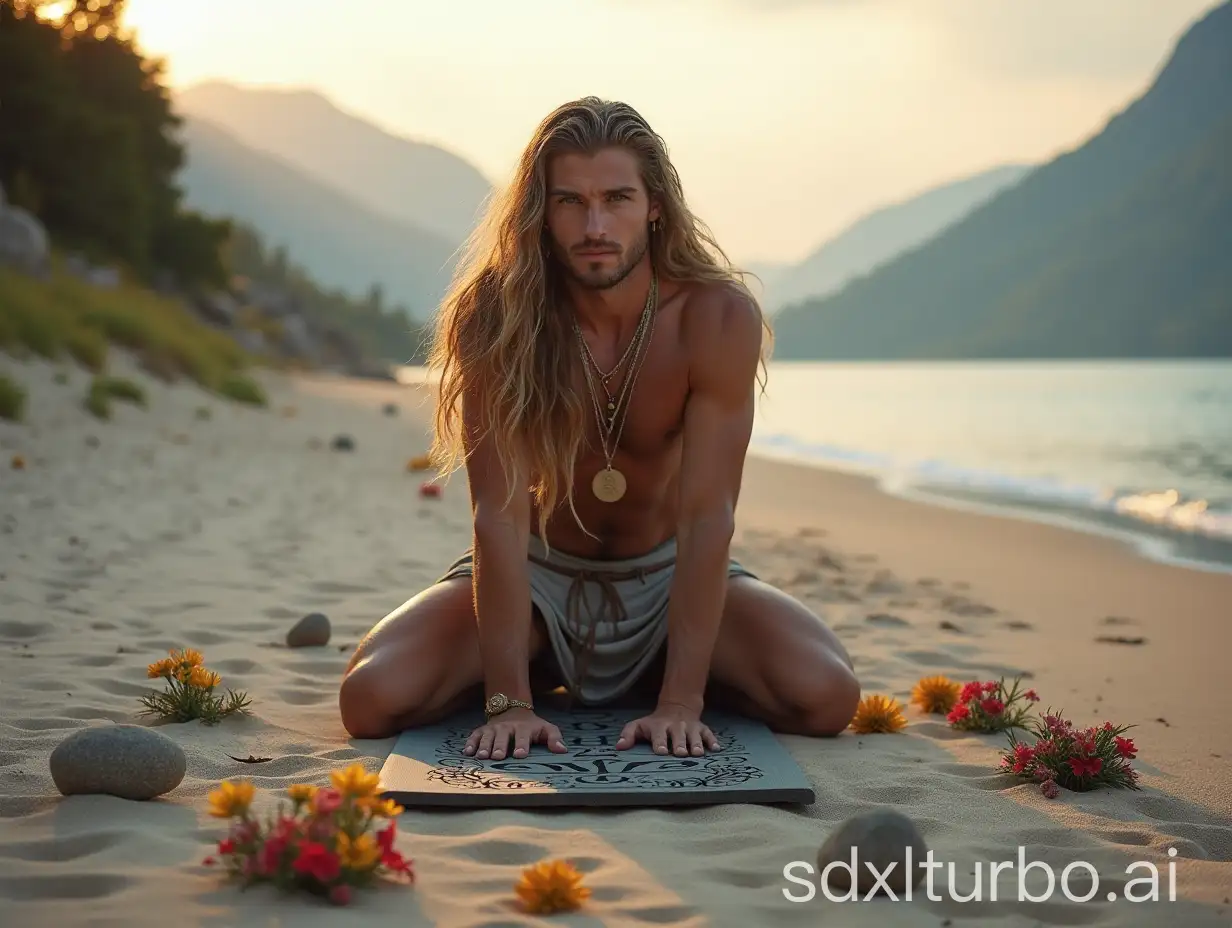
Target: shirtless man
point(598, 374)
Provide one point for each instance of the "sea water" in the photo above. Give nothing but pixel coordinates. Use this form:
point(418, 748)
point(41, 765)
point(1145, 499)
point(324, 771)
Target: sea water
point(1140, 450)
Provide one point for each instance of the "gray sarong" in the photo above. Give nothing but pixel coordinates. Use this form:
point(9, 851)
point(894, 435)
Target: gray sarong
point(606, 619)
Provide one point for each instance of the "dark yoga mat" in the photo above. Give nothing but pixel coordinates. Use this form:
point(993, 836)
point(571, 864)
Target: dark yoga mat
point(427, 767)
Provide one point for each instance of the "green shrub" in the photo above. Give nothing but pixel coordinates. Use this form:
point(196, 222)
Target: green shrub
point(97, 402)
point(121, 388)
point(88, 347)
point(12, 399)
point(243, 389)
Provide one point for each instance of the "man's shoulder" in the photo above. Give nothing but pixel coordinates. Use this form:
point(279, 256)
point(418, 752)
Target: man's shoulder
point(721, 317)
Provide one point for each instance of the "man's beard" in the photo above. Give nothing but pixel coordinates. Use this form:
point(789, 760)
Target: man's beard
point(599, 280)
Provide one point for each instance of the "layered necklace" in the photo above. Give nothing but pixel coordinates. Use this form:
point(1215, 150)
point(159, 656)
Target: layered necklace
point(610, 413)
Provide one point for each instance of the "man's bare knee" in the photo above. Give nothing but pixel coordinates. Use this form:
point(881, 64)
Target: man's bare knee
point(366, 703)
point(823, 705)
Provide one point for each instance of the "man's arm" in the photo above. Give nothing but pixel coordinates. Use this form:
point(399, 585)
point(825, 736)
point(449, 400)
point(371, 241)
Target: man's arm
point(724, 338)
point(501, 583)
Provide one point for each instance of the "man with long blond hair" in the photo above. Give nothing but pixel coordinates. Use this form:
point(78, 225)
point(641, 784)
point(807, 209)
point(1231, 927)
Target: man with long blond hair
point(598, 364)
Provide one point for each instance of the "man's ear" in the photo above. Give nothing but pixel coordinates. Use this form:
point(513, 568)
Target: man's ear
point(654, 211)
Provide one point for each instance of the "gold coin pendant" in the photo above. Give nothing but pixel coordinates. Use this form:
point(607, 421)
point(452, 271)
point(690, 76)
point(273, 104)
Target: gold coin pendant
point(608, 485)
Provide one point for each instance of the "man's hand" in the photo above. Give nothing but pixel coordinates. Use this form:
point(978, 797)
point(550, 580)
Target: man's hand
point(680, 725)
point(521, 725)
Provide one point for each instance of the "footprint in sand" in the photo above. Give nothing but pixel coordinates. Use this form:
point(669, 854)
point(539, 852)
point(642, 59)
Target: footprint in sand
point(19, 630)
point(1118, 620)
point(885, 620)
point(1019, 626)
point(960, 605)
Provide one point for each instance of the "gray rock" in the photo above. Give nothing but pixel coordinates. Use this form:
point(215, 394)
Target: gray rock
point(310, 631)
point(128, 761)
point(879, 838)
point(24, 243)
point(390, 409)
point(343, 443)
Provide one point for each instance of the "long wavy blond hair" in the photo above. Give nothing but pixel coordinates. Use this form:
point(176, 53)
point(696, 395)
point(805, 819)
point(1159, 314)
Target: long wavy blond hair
point(503, 338)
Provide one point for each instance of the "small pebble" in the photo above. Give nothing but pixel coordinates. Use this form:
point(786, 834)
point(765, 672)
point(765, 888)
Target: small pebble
point(880, 837)
point(129, 761)
point(390, 409)
point(310, 631)
point(343, 443)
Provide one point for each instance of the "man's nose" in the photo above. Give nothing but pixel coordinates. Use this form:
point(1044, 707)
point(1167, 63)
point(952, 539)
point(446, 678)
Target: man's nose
point(596, 222)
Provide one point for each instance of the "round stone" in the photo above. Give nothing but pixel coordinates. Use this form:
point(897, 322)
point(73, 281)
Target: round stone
point(311, 631)
point(128, 761)
point(882, 840)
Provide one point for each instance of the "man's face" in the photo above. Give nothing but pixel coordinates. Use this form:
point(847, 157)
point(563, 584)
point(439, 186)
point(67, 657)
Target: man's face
point(598, 215)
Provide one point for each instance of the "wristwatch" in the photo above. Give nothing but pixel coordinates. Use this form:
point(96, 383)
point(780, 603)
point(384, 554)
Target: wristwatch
point(499, 702)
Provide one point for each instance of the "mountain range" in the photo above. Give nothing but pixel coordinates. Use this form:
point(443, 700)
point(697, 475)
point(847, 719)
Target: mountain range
point(1121, 247)
point(880, 236)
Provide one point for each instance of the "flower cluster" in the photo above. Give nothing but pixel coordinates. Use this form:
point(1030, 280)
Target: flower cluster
point(190, 690)
point(989, 707)
point(1077, 759)
point(551, 886)
point(325, 843)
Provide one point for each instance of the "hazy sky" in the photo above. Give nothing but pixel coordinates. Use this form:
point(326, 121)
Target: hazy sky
point(787, 119)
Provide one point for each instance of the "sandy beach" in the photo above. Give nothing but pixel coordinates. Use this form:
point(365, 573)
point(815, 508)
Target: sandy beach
point(163, 528)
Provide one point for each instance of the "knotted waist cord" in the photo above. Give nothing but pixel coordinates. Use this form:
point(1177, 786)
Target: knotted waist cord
point(611, 605)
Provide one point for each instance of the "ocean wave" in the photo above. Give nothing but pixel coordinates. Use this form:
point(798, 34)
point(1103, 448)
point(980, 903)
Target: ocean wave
point(1166, 509)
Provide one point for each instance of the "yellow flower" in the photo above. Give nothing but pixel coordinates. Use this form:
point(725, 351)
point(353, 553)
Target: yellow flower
point(380, 808)
point(936, 694)
point(301, 792)
point(355, 781)
point(877, 713)
point(163, 668)
point(551, 886)
point(232, 798)
point(357, 853)
point(189, 656)
point(206, 679)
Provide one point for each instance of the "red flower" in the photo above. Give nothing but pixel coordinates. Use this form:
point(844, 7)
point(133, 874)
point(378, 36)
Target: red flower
point(385, 837)
point(1050, 789)
point(1031, 696)
point(992, 705)
point(317, 861)
point(226, 846)
point(972, 690)
point(1023, 756)
point(958, 713)
point(395, 862)
point(1125, 747)
point(1085, 766)
point(270, 856)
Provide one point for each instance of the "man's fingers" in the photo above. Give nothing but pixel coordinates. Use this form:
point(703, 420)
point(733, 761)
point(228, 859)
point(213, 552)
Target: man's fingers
point(485, 741)
point(554, 740)
point(628, 735)
point(658, 737)
point(708, 738)
point(500, 742)
point(680, 739)
point(697, 746)
point(472, 743)
point(521, 740)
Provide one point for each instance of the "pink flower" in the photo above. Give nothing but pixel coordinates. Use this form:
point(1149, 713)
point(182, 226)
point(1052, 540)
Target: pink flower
point(340, 894)
point(1050, 789)
point(326, 801)
point(1031, 696)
